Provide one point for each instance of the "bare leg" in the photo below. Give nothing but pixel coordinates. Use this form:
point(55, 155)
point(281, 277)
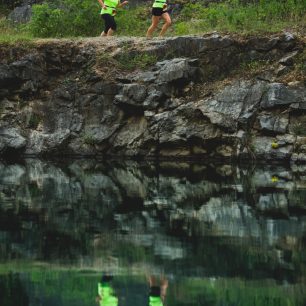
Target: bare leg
point(163, 288)
point(110, 32)
point(166, 25)
point(103, 34)
point(155, 20)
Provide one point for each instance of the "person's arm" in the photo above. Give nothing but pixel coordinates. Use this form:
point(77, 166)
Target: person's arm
point(102, 4)
point(121, 4)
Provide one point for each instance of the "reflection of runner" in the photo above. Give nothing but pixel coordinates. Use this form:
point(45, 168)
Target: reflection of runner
point(158, 291)
point(106, 296)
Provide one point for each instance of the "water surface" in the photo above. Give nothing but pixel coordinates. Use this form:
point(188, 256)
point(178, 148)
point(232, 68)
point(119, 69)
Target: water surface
point(215, 234)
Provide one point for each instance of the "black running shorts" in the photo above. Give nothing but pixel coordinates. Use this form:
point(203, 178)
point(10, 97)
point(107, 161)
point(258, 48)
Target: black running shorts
point(110, 22)
point(158, 11)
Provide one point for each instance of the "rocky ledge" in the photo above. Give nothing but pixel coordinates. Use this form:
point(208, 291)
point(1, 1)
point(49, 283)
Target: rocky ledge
point(211, 96)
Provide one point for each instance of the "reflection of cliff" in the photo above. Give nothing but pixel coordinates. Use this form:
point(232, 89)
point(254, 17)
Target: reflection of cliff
point(180, 213)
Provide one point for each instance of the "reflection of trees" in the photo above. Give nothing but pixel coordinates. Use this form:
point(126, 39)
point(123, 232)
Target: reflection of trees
point(12, 292)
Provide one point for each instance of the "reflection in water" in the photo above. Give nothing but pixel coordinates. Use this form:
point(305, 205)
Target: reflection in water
point(106, 295)
point(185, 234)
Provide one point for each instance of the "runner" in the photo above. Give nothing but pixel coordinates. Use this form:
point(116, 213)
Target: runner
point(108, 12)
point(159, 10)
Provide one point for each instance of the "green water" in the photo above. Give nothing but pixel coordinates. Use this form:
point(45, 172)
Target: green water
point(201, 234)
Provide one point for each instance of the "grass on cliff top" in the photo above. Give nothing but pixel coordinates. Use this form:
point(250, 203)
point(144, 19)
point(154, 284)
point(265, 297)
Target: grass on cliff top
point(75, 18)
point(262, 16)
point(10, 34)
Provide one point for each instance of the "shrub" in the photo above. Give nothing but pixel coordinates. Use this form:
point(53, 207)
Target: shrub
point(81, 18)
point(65, 18)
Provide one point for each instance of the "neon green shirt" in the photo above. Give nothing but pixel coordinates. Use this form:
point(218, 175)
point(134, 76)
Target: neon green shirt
point(156, 301)
point(160, 3)
point(107, 295)
point(110, 7)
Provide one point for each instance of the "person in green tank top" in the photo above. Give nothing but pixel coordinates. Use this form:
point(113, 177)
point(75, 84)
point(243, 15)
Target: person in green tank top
point(106, 295)
point(108, 12)
point(159, 10)
point(158, 290)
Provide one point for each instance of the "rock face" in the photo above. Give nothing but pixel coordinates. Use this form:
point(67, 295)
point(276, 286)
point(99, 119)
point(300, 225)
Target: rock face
point(183, 96)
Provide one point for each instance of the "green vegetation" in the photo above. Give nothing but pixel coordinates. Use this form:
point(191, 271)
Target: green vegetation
point(75, 18)
point(11, 34)
point(301, 62)
point(89, 140)
point(132, 61)
point(74, 287)
point(64, 18)
point(235, 292)
point(299, 129)
point(34, 121)
point(257, 16)
point(127, 60)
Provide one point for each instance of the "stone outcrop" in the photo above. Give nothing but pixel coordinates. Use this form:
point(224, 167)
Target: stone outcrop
point(198, 97)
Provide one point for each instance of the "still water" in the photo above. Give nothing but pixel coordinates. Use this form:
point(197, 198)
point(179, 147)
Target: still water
point(193, 234)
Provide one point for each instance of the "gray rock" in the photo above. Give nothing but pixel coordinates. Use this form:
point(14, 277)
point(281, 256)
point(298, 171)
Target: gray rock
point(131, 138)
point(277, 124)
point(153, 100)
point(288, 60)
point(215, 42)
point(10, 138)
point(234, 103)
point(268, 147)
point(298, 157)
point(282, 70)
point(21, 14)
point(287, 41)
point(97, 133)
point(276, 202)
point(131, 95)
point(41, 143)
point(7, 76)
point(263, 43)
point(176, 69)
point(179, 126)
point(278, 94)
point(30, 67)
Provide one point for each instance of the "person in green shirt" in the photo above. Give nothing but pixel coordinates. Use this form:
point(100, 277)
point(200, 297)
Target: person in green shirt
point(106, 295)
point(108, 12)
point(158, 290)
point(159, 10)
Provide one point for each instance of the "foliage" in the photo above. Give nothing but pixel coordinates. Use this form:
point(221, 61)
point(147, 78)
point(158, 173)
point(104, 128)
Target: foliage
point(301, 62)
point(10, 4)
point(299, 129)
point(89, 140)
point(11, 34)
point(232, 15)
point(65, 18)
point(81, 18)
point(34, 121)
point(78, 288)
point(134, 61)
point(133, 22)
point(127, 60)
point(4, 10)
